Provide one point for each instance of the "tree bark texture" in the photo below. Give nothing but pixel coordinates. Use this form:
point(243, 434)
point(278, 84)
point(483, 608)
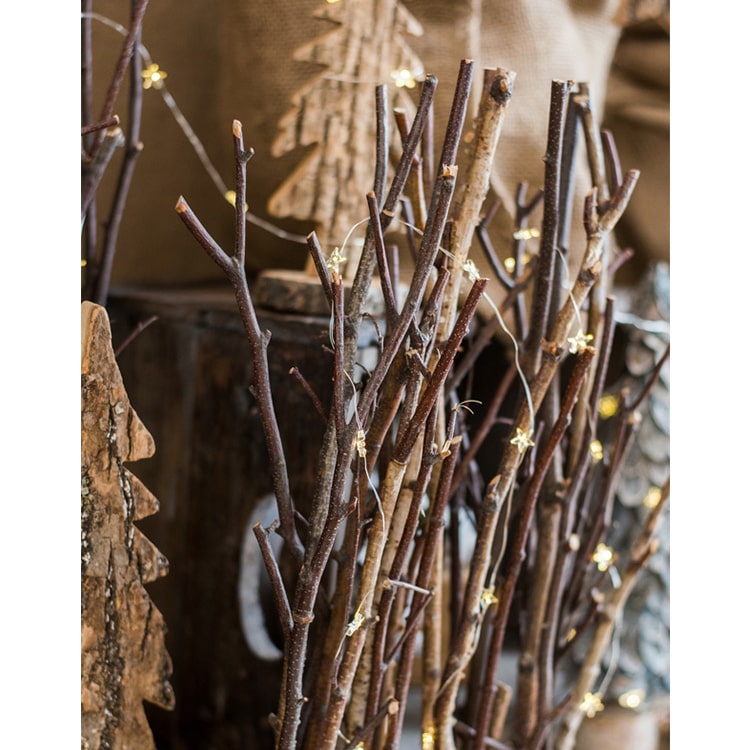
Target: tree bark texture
point(124, 660)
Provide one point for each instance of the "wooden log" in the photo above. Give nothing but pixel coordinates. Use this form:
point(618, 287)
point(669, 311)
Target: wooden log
point(124, 660)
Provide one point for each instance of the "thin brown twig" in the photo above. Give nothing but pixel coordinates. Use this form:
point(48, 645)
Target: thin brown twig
point(433, 537)
point(428, 252)
point(441, 370)
point(338, 415)
point(582, 430)
point(391, 308)
point(389, 708)
point(94, 170)
point(308, 389)
point(379, 659)
point(336, 623)
point(516, 551)
point(457, 115)
point(133, 149)
point(126, 53)
point(428, 153)
point(112, 232)
point(484, 427)
point(102, 124)
point(653, 378)
point(567, 173)
point(597, 228)
point(87, 70)
point(489, 253)
point(258, 340)
point(644, 546)
point(612, 159)
point(389, 492)
point(322, 494)
point(561, 571)
point(465, 730)
point(414, 188)
point(319, 261)
point(545, 276)
point(277, 585)
point(334, 458)
point(522, 268)
point(142, 326)
point(87, 106)
point(381, 143)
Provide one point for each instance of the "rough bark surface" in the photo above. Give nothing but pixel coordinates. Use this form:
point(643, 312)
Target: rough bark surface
point(124, 660)
point(333, 116)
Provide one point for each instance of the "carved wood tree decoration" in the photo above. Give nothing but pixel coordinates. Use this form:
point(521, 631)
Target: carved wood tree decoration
point(336, 112)
point(124, 660)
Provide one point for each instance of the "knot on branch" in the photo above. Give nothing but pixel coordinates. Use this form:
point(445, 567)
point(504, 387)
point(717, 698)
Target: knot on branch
point(589, 274)
point(552, 349)
point(501, 89)
point(302, 618)
point(526, 663)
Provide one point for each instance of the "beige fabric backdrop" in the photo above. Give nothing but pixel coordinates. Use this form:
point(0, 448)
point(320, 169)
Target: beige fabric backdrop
point(234, 60)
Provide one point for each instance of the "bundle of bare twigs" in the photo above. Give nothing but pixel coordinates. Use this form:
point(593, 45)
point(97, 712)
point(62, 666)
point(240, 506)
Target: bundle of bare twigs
point(399, 483)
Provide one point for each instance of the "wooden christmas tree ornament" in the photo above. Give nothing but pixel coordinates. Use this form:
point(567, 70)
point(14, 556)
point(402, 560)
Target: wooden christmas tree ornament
point(124, 660)
point(334, 117)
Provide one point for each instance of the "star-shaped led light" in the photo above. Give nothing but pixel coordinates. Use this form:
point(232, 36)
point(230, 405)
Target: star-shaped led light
point(526, 234)
point(597, 450)
point(404, 78)
point(355, 624)
point(471, 270)
point(153, 77)
point(428, 740)
point(360, 443)
point(335, 261)
point(591, 704)
point(579, 342)
point(608, 406)
point(488, 598)
point(522, 440)
point(510, 263)
point(652, 497)
point(603, 556)
point(632, 698)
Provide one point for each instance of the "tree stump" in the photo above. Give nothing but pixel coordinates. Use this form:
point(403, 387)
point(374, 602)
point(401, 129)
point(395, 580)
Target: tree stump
point(124, 660)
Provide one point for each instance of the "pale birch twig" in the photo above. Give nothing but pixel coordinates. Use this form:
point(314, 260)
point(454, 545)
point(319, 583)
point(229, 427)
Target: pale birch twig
point(493, 108)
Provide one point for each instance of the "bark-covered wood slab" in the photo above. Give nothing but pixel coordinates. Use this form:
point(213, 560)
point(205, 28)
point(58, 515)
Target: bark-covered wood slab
point(124, 660)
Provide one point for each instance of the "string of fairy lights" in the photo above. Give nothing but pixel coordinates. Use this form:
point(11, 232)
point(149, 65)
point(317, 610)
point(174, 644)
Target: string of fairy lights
point(154, 78)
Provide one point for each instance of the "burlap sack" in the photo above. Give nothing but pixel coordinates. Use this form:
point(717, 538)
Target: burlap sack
point(637, 111)
point(234, 60)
